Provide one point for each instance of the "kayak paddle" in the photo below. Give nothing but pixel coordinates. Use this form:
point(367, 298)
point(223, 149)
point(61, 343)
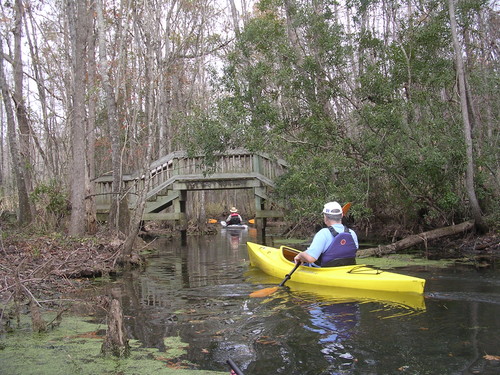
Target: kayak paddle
point(346, 207)
point(267, 291)
point(234, 369)
point(214, 221)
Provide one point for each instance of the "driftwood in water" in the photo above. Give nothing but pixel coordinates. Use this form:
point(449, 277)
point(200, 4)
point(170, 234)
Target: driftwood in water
point(116, 342)
point(417, 239)
point(37, 321)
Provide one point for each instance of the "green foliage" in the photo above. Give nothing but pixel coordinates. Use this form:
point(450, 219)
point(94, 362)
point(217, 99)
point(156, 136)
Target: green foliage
point(391, 141)
point(468, 10)
point(420, 162)
point(51, 197)
point(51, 203)
point(418, 152)
point(375, 87)
point(214, 210)
point(316, 178)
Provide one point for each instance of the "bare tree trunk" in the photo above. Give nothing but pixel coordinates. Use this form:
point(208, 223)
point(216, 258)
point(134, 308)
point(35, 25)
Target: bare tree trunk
point(234, 14)
point(78, 31)
point(150, 71)
point(24, 214)
point(469, 174)
point(114, 211)
point(46, 150)
point(22, 117)
point(164, 89)
point(2, 137)
point(91, 211)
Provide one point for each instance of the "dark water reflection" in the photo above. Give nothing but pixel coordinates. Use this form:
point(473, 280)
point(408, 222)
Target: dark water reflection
point(199, 291)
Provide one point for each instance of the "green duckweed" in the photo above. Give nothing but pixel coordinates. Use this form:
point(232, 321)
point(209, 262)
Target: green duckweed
point(74, 347)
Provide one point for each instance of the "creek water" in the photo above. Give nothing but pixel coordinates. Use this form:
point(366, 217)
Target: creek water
point(199, 291)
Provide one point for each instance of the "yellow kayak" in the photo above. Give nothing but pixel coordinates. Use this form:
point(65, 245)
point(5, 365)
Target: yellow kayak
point(279, 262)
point(333, 294)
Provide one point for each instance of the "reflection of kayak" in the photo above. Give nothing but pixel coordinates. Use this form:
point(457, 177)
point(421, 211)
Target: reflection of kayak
point(279, 262)
point(233, 226)
point(332, 294)
point(236, 226)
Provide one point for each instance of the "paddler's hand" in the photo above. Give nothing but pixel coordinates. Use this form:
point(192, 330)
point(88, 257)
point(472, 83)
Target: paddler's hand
point(304, 257)
point(298, 258)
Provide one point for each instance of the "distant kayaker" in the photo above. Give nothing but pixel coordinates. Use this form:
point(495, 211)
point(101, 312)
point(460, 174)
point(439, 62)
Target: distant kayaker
point(234, 217)
point(333, 246)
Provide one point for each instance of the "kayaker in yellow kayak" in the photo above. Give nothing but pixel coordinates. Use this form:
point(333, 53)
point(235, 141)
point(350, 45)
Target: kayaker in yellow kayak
point(335, 245)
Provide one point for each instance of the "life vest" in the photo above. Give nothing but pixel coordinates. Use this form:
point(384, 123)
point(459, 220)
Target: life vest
point(342, 250)
point(235, 219)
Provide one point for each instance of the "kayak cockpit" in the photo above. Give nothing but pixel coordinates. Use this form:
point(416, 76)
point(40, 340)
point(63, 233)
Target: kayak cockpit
point(289, 253)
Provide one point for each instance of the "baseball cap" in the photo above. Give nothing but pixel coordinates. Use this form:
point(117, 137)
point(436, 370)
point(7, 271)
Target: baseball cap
point(332, 208)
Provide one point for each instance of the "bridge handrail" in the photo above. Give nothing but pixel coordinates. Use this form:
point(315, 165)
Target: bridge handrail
point(165, 161)
point(179, 164)
point(234, 152)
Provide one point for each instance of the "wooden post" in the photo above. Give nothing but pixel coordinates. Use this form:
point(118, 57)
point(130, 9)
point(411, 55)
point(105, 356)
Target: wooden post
point(260, 222)
point(256, 165)
point(180, 209)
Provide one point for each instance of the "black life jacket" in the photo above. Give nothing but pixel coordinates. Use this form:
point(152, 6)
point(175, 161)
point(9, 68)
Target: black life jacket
point(235, 219)
point(341, 252)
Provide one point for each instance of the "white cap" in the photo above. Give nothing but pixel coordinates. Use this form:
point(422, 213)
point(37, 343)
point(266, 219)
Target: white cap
point(332, 208)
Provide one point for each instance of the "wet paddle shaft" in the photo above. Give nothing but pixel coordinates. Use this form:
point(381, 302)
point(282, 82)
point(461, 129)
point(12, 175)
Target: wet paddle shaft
point(287, 277)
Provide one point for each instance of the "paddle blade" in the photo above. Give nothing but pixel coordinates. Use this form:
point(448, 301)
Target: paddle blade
point(251, 221)
point(346, 207)
point(264, 292)
point(212, 221)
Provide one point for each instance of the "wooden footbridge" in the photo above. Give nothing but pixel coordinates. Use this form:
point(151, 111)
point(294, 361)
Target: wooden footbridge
point(172, 176)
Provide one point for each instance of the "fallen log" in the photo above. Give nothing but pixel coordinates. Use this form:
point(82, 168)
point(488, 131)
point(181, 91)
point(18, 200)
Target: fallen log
point(416, 239)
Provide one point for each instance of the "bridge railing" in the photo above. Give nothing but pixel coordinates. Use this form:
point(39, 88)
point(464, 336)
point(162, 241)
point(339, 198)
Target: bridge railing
point(178, 163)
